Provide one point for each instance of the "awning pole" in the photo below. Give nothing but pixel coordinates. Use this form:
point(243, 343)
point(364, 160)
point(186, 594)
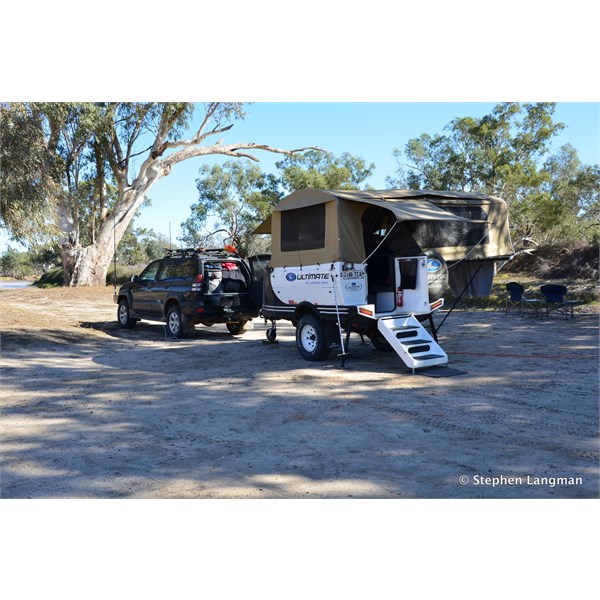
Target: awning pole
point(461, 295)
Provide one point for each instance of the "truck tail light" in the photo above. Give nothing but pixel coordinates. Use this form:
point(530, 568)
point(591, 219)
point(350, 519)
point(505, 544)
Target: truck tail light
point(197, 285)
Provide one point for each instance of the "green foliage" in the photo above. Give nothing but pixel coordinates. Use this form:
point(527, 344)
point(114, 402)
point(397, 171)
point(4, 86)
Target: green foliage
point(60, 160)
point(572, 197)
point(324, 171)
point(233, 200)
point(565, 207)
point(496, 154)
point(501, 154)
point(26, 210)
point(49, 162)
point(124, 273)
point(236, 197)
point(69, 168)
point(20, 265)
point(140, 246)
point(54, 277)
point(15, 264)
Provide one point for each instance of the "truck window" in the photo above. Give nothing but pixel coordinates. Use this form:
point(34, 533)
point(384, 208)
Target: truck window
point(149, 273)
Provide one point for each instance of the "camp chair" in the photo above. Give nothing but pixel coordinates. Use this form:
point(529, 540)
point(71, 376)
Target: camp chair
point(515, 298)
point(554, 300)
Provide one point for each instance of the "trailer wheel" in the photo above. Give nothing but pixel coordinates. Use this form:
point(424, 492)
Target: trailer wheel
point(380, 342)
point(311, 338)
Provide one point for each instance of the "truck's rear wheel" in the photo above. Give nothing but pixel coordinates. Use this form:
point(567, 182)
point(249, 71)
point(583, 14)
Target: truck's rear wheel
point(311, 338)
point(175, 325)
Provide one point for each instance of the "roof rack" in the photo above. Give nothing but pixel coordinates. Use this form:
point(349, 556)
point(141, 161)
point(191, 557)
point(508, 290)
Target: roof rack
point(216, 252)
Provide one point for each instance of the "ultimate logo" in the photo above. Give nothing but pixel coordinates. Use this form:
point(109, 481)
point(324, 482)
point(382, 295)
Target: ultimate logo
point(307, 276)
point(313, 276)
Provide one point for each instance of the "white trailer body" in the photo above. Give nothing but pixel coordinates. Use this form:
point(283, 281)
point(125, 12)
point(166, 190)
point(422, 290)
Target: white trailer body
point(350, 261)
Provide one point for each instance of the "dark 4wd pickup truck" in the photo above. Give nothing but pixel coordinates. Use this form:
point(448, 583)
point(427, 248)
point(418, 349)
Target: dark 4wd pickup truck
point(188, 287)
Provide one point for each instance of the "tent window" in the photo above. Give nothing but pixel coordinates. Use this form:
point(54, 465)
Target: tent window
point(303, 228)
point(439, 234)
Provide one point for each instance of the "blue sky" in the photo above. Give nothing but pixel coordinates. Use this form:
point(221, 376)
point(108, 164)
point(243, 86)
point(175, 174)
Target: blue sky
point(369, 130)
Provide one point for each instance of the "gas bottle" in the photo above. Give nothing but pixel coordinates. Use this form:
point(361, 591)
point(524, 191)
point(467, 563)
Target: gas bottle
point(399, 297)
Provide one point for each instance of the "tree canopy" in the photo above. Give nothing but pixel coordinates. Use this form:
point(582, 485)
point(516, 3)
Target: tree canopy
point(324, 171)
point(233, 200)
point(503, 154)
point(236, 197)
point(87, 167)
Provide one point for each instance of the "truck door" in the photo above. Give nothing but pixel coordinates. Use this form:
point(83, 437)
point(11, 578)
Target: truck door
point(142, 294)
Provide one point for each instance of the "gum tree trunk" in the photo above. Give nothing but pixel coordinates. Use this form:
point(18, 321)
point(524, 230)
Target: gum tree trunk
point(88, 265)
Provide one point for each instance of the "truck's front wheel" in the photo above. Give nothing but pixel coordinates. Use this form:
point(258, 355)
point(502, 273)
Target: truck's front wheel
point(125, 321)
point(311, 338)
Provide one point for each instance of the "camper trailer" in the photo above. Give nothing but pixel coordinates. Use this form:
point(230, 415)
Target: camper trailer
point(378, 263)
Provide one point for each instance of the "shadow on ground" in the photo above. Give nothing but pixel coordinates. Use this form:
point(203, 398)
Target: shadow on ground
point(135, 414)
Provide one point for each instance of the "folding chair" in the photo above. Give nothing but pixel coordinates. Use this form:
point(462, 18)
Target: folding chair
point(515, 298)
point(554, 300)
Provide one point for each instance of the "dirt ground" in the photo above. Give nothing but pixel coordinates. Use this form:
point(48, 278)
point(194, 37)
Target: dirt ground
point(90, 411)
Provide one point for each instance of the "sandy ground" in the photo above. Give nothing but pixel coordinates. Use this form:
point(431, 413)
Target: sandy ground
point(90, 411)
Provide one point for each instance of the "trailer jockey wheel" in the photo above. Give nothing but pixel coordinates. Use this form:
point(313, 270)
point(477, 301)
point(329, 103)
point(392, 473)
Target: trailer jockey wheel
point(311, 338)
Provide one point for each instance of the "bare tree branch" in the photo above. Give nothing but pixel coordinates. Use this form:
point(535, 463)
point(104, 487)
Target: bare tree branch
point(210, 111)
point(198, 138)
point(165, 165)
point(135, 133)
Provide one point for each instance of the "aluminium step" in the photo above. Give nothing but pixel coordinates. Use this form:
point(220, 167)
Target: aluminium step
point(416, 351)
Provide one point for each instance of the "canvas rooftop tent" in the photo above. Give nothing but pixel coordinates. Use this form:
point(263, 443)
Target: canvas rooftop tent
point(317, 226)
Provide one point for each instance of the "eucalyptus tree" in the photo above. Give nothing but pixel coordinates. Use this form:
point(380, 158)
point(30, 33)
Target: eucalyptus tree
point(498, 153)
point(566, 207)
point(324, 170)
point(92, 164)
point(506, 153)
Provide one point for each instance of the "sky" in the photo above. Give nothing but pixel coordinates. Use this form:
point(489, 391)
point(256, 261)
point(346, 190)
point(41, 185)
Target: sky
point(370, 130)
